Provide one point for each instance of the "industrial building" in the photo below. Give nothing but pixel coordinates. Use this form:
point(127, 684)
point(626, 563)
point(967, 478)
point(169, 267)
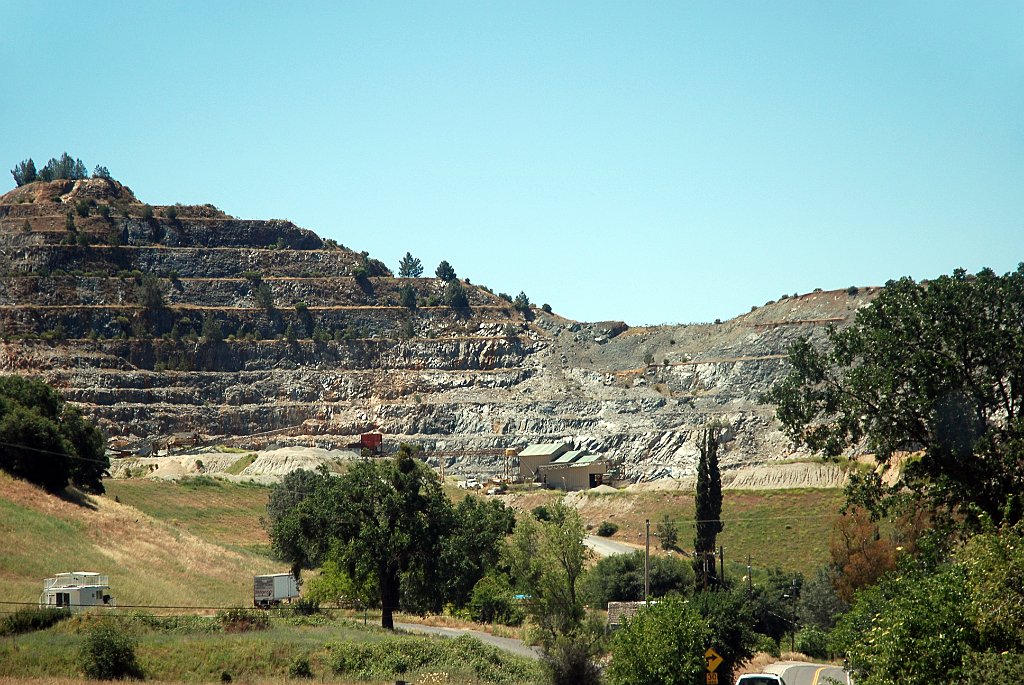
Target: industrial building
point(558, 466)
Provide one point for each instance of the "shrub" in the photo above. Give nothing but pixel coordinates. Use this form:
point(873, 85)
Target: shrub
point(607, 529)
point(852, 290)
point(69, 221)
point(305, 606)
point(82, 208)
point(546, 307)
point(813, 642)
point(31, 619)
point(455, 295)
point(147, 212)
point(300, 668)
point(171, 213)
point(492, 601)
point(104, 211)
point(109, 654)
point(541, 513)
point(568, 660)
point(239, 620)
point(445, 271)
point(766, 644)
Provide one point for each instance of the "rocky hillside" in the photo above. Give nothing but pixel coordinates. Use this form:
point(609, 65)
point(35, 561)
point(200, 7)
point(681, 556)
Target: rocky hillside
point(162, 320)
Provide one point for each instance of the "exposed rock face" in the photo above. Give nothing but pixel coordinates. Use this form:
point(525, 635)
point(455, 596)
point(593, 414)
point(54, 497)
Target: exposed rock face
point(314, 343)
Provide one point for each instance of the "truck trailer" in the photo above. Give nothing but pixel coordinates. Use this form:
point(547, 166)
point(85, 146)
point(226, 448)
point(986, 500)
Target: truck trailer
point(272, 589)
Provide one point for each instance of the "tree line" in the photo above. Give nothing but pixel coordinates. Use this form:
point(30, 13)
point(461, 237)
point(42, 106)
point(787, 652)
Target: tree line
point(46, 441)
point(64, 167)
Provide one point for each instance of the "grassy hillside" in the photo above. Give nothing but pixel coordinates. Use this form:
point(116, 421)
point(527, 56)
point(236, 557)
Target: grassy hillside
point(149, 561)
point(787, 529)
point(219, 512)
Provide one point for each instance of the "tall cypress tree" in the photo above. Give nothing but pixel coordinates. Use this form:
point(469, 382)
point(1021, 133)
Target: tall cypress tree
point(709, 506)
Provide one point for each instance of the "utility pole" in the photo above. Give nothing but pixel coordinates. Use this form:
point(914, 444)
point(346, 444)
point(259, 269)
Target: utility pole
point(647, 563)
point(721, 564)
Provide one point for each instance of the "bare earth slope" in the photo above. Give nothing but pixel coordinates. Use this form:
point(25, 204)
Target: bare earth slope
point(315, 347)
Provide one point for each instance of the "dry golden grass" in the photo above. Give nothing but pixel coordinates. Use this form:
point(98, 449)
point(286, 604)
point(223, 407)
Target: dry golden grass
point(149, 562)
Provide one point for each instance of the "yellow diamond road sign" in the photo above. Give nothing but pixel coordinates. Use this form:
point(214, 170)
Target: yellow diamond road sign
point(714, 660)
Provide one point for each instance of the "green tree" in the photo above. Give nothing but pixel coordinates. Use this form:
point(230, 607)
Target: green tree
point(663, 644)
point(385, 520)
point(410, 267)
point(668, 533)
point(472, 549)
point(264, 296)
point(445, 271)
point(46, 441)
point(455, 295)
point(108, 653)
point(150, 292)
point(522, 302)
point(212, 331)
point(101, 172)
point(67, 167)
point(407, 296)
point(708, 515)
point(731, 621)
point(935, 368)
point(620, 578)
point(546, 560)
point(24, 172)
point(819, 604)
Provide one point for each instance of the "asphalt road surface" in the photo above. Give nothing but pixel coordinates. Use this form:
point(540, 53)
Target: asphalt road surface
point(798, 673)
point(607, 548)
point(506, 643)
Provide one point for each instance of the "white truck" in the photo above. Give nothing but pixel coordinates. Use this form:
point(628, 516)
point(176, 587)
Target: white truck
point(272, 589)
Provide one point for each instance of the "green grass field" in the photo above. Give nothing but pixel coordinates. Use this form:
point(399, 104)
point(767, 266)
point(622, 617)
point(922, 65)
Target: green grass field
point(220, 512)
point(338, 651)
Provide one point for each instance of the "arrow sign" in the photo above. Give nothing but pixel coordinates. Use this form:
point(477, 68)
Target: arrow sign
point(714, 659)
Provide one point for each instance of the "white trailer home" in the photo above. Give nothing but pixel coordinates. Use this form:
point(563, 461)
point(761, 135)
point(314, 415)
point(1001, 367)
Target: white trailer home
point(77, 591)
point(270, 590)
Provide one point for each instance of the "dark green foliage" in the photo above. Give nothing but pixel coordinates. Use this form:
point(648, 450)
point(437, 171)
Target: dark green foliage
point(570, 659)
point(305, 606)
point(290, 335)
point(264, 296)
point(813, 642)
point(69, 221)
point(455, 295)
point(108, 653)
point(546, 307)
point(24, 172)
point(730, 620)
point(407, 330)
point(396, 658)
point(30, 619)
point(382, 521)
point(936, 368)
point(445, 271)
point(407, 296)
point(663, 645)
point(82, 208)
point(150, 292)
point(471, 549)
point(64, 168)
point(300, 668)
point(491, 601)
point(522, 302)
point(101, 172)
point(773, 604)
point(620, 578)
point(607, 529)
point(541, 513)
point(708, 501)
point(171, 213)
point(45, 441)
point(212, 331)
point(668, 533)
point(410, 267)
point(147, 212)
point(238, 620)
point(104, 211)
point(819, 605)
point(852, 290)
point(1006, 668)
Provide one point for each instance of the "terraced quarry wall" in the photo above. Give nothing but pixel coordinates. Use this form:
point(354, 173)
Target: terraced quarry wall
point(313, 338)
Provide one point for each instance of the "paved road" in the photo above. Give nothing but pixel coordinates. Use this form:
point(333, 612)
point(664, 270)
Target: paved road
point(607, 548)
point(506, 643)
point(799, 673)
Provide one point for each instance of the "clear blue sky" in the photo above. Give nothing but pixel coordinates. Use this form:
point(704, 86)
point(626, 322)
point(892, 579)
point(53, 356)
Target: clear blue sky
point(649, 162)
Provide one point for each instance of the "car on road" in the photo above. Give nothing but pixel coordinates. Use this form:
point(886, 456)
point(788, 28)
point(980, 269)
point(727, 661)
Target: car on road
point(760, 679)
